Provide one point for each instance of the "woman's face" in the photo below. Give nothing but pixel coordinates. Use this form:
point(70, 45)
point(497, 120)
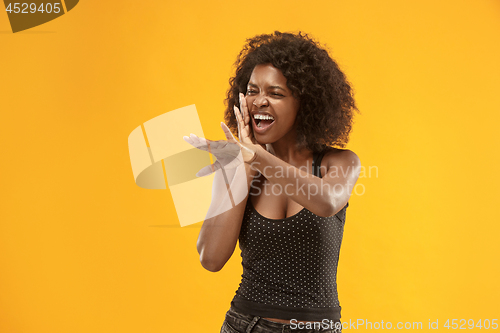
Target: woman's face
point(271, 105)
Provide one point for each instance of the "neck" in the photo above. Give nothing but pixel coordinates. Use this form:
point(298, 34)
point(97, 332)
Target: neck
point(287, 150)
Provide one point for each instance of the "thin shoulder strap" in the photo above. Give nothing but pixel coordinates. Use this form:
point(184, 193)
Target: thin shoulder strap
point(316, 163)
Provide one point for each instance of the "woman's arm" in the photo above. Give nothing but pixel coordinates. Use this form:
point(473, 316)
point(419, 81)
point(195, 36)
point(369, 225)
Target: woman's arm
point(323, 196)
point(219, 234)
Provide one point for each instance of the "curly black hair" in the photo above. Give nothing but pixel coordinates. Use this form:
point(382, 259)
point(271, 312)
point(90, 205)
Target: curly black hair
point(326, 99)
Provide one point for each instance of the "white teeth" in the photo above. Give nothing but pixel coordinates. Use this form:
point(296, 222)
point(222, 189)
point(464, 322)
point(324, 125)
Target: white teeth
point(263, 117)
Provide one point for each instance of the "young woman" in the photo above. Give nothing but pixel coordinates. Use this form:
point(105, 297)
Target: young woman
point(290, 104)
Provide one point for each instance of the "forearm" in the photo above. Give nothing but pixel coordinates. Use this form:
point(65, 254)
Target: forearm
point(299, 184)
point(229, 188)
point(222, 196)
point(220, 230)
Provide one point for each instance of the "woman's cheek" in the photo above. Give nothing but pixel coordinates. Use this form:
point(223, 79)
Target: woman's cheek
point(249, 101)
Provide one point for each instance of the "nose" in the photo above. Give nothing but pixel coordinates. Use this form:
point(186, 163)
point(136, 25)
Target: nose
point(260, 101)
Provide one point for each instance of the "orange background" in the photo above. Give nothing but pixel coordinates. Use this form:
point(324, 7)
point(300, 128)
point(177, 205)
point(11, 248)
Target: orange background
point(83, 249)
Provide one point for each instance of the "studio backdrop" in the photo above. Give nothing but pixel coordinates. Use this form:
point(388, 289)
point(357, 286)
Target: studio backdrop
point(85, 248)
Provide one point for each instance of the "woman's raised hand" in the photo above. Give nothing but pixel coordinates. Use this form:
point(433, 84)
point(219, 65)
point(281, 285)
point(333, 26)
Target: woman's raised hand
point(245, 132)
point(248, 149)
point(232, 152)
point(229, 154)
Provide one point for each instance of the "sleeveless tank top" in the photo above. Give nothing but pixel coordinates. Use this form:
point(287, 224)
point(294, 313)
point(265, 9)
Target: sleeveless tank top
point(290, 264)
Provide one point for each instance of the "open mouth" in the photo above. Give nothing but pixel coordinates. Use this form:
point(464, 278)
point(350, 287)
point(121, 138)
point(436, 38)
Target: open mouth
point(262, 121)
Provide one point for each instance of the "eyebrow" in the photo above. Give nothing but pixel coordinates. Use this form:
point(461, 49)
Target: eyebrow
point(270, 87)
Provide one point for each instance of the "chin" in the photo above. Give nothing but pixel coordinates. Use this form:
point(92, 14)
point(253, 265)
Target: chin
point(262, 141)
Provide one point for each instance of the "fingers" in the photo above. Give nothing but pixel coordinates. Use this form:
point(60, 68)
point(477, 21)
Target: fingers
point(243, 129)
point(244, 108)
point(205, 171)
point(246, 113)
point(238, 120)
point(227, 132)
point(228, 152)
point(209, 169)
point(247, 130)
point(197, 142)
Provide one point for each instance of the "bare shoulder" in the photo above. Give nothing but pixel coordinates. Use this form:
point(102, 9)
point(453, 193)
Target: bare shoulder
point(336, 156)
point(342, 158)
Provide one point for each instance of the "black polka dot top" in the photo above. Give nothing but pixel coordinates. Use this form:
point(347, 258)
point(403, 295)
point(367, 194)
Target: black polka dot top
point(290, 264)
